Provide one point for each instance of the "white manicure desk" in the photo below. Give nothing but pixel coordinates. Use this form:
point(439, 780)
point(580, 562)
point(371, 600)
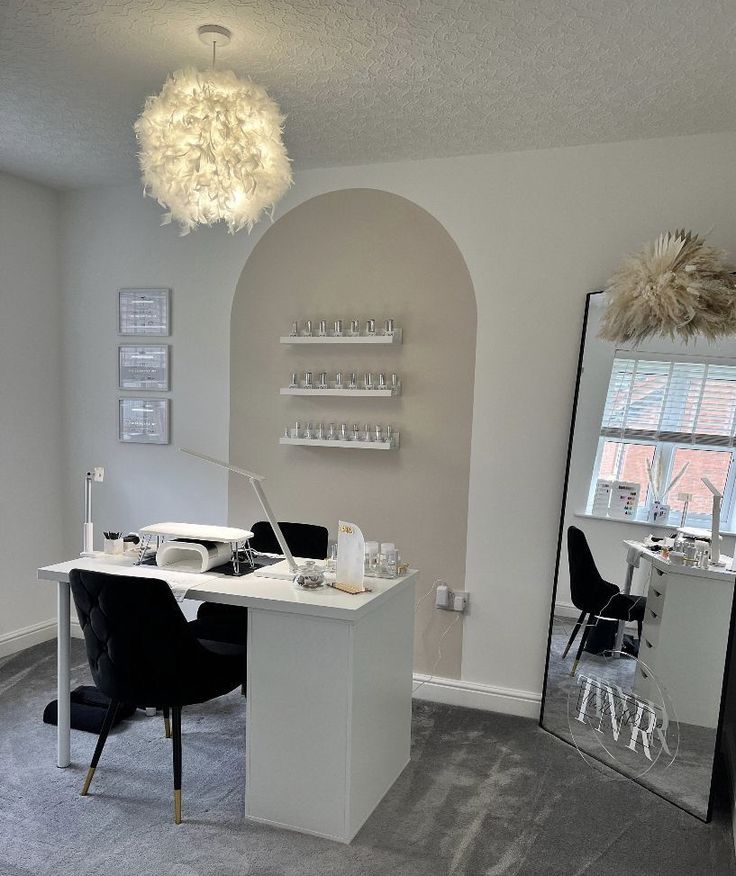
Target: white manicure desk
point(684, 635)
point(329, 688)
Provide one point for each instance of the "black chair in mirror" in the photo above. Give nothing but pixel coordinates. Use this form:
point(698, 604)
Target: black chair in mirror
point(598, 599)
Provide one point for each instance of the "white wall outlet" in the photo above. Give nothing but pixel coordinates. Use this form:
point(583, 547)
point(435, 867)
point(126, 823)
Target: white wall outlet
point(98, 474)
point(451, 600)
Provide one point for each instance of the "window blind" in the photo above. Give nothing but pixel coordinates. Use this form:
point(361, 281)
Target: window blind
point(672, 400)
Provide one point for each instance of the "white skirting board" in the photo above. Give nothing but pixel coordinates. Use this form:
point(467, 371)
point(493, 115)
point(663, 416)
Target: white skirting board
point(473, 695)
point(451, 691)
point(26, 637)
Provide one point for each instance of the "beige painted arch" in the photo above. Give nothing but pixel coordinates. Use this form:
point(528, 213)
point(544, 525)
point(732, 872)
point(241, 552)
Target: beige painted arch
point(363, 253)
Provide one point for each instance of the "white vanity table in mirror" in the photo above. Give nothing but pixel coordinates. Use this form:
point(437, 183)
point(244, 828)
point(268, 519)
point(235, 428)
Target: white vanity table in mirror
point(688, 613)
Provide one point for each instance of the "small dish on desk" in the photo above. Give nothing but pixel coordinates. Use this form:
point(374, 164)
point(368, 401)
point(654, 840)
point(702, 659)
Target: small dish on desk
point(310, 576)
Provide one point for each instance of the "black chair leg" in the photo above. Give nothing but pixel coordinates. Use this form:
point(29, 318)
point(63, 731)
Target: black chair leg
point(574, 633)
point(176, 720)
point(167, 722)
point(107, 723)
point(583, 639)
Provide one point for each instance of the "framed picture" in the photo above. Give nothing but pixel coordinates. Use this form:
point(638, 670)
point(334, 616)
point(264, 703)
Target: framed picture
point(144, 312)
point(144, 367)
point(144, 420)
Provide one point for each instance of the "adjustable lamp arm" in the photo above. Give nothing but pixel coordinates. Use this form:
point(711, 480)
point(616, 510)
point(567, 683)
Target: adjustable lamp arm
point(255, 482)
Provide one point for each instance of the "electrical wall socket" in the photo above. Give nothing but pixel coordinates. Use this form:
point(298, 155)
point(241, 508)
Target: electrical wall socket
point(451, 600)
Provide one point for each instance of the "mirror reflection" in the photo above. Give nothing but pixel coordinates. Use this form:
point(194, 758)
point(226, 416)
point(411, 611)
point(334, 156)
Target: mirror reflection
point(644, 587)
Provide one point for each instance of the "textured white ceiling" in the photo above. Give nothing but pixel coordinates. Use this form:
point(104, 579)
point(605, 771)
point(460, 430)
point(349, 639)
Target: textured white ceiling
point(367, 80)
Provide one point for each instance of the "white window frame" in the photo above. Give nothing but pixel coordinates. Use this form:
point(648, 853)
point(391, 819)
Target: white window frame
point(664, 454)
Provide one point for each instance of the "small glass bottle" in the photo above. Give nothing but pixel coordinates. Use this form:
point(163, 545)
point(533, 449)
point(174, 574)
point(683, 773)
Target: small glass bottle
point(368, 380)
point(294, 329)
point(370, 327)
point(382, 381)
point(331, 432)
point(308, 380)
point(322, 331)
point(308, 329)
point(356, 435)
point(296, 431)
point(338, 328)
point(338, 380)
point(388, 327)
point(294, 380)
point(343, 431)
point(353, 380)
point(354, 328)
point(323, 380)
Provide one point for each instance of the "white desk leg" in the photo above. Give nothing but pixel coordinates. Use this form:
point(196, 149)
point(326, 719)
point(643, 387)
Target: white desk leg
point(622, 624)
point(63, 639)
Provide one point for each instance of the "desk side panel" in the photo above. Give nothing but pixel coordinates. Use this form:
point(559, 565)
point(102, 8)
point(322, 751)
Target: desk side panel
point(380, 732)
point(297, 720)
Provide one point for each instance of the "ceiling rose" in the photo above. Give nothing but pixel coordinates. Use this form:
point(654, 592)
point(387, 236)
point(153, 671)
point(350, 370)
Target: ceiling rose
point(211, 147)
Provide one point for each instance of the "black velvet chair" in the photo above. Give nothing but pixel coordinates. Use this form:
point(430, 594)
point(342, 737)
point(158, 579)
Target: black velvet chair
point(595, 597)
point(142, 650)
point(226, 625)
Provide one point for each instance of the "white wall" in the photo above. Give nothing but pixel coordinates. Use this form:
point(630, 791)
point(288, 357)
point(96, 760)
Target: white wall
point(31, 436)
point(537, 230)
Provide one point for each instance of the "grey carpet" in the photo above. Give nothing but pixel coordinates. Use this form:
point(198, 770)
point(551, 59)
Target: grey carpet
point(686, 780)
point(483, 794)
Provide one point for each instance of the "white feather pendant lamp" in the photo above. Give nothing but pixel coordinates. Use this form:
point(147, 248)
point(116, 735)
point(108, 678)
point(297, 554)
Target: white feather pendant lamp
point(211, 150)
point(677, 287)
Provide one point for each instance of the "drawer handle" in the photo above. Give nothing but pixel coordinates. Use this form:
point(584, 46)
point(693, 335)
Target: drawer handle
point(648, 643)
point(653, 613)
point(656, 592)
point(644, 674)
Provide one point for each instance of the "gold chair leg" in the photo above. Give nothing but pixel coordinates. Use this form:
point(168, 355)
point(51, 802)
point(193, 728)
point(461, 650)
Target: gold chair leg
point(177, 807)
point(87, 781)
point(167, 727)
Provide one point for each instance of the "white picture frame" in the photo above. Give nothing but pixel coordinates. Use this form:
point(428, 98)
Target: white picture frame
point(144, 367)
point(143, 420)
point(144, 312)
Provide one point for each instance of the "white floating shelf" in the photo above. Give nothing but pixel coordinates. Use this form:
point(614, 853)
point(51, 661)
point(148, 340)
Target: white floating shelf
point(343, 339)
point(356, 445)
point(351, 393)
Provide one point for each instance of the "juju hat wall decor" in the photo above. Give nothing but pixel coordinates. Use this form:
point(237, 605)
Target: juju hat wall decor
point(211, 150)
point(677, 286)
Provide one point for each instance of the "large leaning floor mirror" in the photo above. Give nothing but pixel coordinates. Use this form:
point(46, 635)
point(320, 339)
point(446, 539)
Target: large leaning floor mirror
point(642, 612)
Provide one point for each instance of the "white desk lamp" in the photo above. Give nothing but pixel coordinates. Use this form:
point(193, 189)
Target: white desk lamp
point(715, 527)
point(255, 482)
point(88, 530)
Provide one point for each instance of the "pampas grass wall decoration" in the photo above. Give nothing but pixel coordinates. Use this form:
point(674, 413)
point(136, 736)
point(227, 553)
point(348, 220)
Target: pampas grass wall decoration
point(677, 286)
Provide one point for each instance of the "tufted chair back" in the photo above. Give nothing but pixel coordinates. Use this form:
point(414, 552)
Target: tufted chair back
point(139, 646)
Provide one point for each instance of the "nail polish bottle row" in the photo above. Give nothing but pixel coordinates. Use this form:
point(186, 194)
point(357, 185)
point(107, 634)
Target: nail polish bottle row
point(345, 380)
point(340, 432)
point(337, 329)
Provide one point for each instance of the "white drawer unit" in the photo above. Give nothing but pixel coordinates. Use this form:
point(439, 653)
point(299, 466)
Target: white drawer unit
point(683, 646)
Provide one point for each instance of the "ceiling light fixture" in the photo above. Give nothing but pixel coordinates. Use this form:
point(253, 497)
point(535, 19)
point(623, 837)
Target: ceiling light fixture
point(211, 147)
